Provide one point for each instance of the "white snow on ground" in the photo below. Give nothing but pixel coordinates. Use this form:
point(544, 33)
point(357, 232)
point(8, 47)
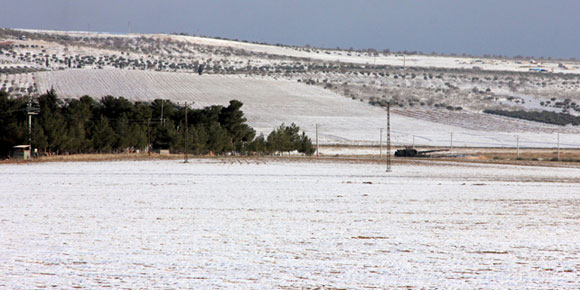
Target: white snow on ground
point(211, 224)
point(269, 102)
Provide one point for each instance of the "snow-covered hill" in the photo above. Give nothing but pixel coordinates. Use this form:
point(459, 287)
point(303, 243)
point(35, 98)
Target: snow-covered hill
point(268, 102)
point(345, 56)
point(309, 86)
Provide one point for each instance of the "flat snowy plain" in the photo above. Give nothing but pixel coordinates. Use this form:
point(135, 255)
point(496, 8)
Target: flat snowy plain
point(274, 223)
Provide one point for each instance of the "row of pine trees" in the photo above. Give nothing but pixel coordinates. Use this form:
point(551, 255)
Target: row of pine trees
point(112, 124)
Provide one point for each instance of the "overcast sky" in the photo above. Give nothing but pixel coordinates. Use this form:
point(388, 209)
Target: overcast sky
point(506, 27)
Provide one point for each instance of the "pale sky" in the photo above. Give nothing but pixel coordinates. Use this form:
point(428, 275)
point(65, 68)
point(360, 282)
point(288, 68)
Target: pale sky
point(505, 27)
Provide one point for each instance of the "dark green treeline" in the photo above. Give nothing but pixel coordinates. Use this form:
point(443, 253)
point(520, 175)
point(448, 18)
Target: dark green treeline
point(113, 124)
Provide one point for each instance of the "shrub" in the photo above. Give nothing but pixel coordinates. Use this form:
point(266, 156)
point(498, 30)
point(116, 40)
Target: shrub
point(548, 117)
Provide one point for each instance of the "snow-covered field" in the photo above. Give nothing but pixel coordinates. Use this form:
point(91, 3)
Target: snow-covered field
point(271, 224)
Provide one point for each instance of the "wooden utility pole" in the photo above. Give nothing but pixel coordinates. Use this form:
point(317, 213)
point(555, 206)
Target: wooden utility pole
point(381, 143)
point(29, 126)
point(451, 144)
point(558, 146)
point(185, 135)
point(518, 146)
point(388, 136)
point(317, 148)
point(149, 136)
point(30, 111)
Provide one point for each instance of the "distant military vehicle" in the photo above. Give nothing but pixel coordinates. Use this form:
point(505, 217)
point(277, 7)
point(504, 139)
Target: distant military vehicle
point(412, 152)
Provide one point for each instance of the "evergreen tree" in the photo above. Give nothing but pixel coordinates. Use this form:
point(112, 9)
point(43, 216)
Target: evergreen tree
point(78, 114)
point(258, 145)
point(163, 109)
point(13, 123)
point(39, 139)
point(52, 122)
point(142, 114)
point(114, 108)
point(287, 139)
point(138, 137)
point(306, 145)
point(200, 139)
point(168, 137)
point(233, 120)
point(123, 129)
point(218, 139)
point(104, 137)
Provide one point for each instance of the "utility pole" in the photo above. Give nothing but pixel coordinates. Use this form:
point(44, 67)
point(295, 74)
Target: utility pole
point(451, 144)
point(29, 126)
point(149, 136)
point(388, 136)
point(558, 146)
point(185, 137)
point(317, 148)
point(162, 120)
point(518, 146)
point(30, 111)
point(381, 143)
point(413, 142)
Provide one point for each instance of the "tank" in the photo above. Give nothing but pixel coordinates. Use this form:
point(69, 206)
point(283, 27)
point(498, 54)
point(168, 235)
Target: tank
point(407, 152)
point(412, 152)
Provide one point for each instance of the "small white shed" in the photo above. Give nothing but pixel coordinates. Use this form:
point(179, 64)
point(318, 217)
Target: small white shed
point(21, 152)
